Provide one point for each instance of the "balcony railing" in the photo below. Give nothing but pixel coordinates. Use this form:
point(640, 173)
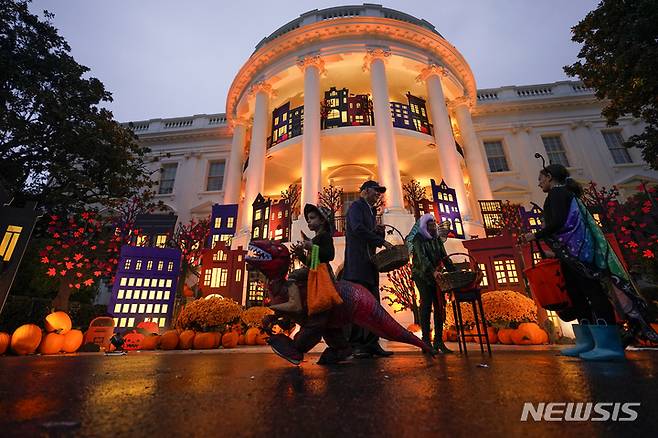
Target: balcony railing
point(340, 224)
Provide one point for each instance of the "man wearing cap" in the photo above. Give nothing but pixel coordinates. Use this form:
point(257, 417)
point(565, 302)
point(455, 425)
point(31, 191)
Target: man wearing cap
point(362, 237)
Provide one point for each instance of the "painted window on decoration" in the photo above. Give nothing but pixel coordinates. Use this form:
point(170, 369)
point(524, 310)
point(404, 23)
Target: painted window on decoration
point(615, 143)
point(238, 275)
point(229, 222)
point(160, 265)
point(496, 156)
point(141, 240)
point(149, 265)
point(536, 256)
point(256, 233)
point(215, 176)
point(161, 240)
point(138, 265)
point(218, 222)
point(555, 150)
point(170, 266)
point(485, 278)
point(167, 178)
point(126, 264)
point(9, 241)
point(505, 270)
point(258, 215)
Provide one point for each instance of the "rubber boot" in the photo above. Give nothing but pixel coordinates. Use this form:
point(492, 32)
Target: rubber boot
point(584, 341)
point(607, 344)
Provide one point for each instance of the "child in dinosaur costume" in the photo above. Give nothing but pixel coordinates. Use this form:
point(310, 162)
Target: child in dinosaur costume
point(359, 307)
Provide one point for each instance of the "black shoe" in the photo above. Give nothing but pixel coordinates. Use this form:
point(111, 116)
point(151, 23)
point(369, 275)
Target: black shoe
point(376, 350)
point(285, 348)
point(361, 352)
point(441, 348)
point(331, 356)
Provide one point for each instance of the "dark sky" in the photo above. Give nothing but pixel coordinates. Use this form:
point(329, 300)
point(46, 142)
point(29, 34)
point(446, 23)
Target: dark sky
point(163, 58)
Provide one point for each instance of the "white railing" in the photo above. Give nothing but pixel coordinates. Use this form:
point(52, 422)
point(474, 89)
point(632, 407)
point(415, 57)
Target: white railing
point(527, 92)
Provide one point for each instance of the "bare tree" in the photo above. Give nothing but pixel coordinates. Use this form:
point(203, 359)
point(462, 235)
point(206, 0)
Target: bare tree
point(332, 198)
point(413, 194)
point(292, 195)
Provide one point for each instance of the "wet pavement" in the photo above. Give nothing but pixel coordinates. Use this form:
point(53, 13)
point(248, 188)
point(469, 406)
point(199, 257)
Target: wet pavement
point(255, 393)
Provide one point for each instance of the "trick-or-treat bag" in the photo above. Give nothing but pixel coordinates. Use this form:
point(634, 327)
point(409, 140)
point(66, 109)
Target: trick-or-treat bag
point(321, 293)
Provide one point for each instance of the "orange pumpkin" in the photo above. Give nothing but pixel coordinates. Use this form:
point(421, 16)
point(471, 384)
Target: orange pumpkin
point(251, 335)
point(149, 326)
point(204, 341)
point(186, 340)
point(5, 340)
point(262, 338)
point(451, 335)
point(241, 340)
point(26, 339)
point(230, 340)
point(52, 343)
point(150, 342)
point(58, 322)
point(528, 333)
point(413, 328)
point(169, 340)
point(505, 336)
point(133, 341)
point(218, 340)
point(72, 341)
point(493, 335)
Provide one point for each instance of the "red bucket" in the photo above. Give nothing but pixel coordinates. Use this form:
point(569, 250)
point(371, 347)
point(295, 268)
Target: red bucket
point(547, 284)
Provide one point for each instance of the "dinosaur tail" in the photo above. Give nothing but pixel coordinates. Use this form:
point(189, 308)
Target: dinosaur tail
point(369, 314)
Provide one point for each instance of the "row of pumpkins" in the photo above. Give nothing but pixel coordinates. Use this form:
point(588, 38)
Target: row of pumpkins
point(58, 337)
point(528, 333)
point(189, 339)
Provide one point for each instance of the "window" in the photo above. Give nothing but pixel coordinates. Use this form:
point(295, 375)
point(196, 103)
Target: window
point(133, 308)
point(166, 295)
point(506, 271)
point(555, 150)
point(141, 240)
point(9, 241)
point(129, 294)
point(138, 283)
point(238, 275)
point(152, 295)
point(536, 256)
point(149, 308)
point(149, 265)
point(122, 322)
point(485, 279)
point(156, 308)
point(160, 265)
point(615, 143)
point(258, 214)
point(127, 264)
point(496, 156)
point(229, 222)
point(131, 281)
point(117, 308)
point(161, 240)
point(170, 266)
point(142, 307)
point(215, 176)
point(138, 265)
point(256, 233)
point(147, 282)
point(218, 222)
point(164, 308)
point(219, 277)
point(167, 178)
point(161, 282)
point(120, 294)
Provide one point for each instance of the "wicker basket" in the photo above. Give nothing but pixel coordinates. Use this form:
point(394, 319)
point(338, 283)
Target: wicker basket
point(393, 258)
point(468, 275)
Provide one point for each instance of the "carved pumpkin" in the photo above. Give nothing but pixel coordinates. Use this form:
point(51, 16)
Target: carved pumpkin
point(58, 322)
point(230, 340)
point(52, 343)
point(72, 341)
point(204, 341)
point(262, 338)
point(26, 339)
point(149, 326)
point(5, 340)
point(150, 342)
point(169, 340)
point(251, 335)
point(505, 336)
point(186, 340)
point(528, 333)
point(133, 341)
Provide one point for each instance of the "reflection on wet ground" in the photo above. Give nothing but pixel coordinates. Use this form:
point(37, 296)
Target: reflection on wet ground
point(213, 394)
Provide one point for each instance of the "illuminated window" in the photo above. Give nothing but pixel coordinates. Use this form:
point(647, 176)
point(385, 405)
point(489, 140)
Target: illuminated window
point(168, 283)
point(225, 238)
point(126, 265)
point(156, 308)
point(229, 222)
point(258, 214)
point(158, 296)
point(161, 240)
point(120, 294)
point(149, 308)
point(278, 234)
point(144, 294)
point(207, 276)
point(240, 258)
point(163, 321)
point(164, 308)
point(532, 221)
point(160, 265)
point(147, 282)
point(238, 275)
point(141, 308)
point(117, 308)
point(170, 266)
point(141, 240)
point(166, 295)
point(219, 277)
point(458, 227)
point(131, 322)
point(215, 239)
point(536, 256)
point(218, 222)
point(265, 231)
point(123, 281)
point(152, 295)
point(219, 256)
point(129, 294)
point(116, 322)
point(138, 283)
point(485, 279)
point(131, 281)
point(499, 269)
point(149, 265)
point(138, 265)
point(9, 241)
point(506, 271)
point(161, 282)
point(125, 308)
point(133, 308)
point(256, 233)
point(510, 267)
point(122, 322)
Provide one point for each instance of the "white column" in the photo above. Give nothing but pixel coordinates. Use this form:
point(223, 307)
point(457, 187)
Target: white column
point(387, 155)
point(255, 178)
point(235, 162)
point(312, 66)
point(445, 142)
point(473, 154)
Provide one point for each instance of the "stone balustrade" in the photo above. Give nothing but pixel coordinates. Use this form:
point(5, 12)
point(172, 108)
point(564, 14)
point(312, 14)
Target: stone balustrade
point(542, 91)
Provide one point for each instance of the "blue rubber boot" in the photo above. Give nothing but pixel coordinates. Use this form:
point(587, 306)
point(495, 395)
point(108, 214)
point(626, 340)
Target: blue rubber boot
point(607, 343)
point(584, 341)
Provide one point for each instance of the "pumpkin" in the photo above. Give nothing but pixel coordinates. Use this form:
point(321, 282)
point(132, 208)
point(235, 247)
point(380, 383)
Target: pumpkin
point(230, 340)
point(52, 343)
point(218, 340)
point(413, 328)
point(493, 336)
point(169, 340)
point(451, 335)
point(204, 341)
point(241, 340)
point(58, 322)
point(505, 336)
point(528, 333)
point(149, 326)
point(26, 339)
point(133, 341)
point(186, 340)
point(262, 338)
point(72, 341)
point(150, 342)
point(251, 335)
point(5, 340)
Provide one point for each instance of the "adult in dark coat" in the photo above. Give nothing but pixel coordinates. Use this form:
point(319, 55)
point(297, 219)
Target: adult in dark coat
point(362, 237)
